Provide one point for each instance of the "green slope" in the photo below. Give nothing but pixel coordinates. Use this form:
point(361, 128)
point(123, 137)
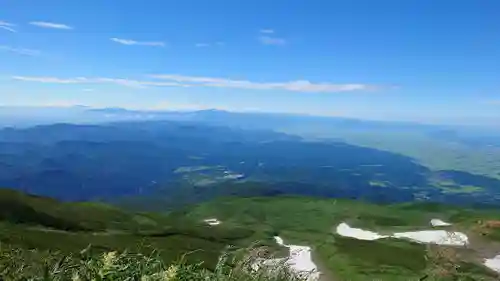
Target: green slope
point(31, 222)
point(312, 221)
point(36, 223)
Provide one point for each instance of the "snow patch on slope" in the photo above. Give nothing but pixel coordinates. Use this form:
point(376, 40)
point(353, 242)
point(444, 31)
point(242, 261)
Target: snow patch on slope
point(212, 221)
point(439, 237)
point(438, 222)
point(493, 263)
point(345, 230)
point(299, 261)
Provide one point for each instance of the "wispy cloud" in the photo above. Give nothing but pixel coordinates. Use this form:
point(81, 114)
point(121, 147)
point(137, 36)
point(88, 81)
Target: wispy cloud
point(202, 45)
point(56, 80)
point(88, 90)
point(296, 86)
point(268, 40)
point(96, 80)
point(20, 51)
point(52, 25)
point(266, 37)
point(173, 80)
point(205, 45)
point(7, 26)
point(267, 31)
point(138, 43)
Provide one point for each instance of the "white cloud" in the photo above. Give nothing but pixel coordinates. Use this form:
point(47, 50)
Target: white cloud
point(205, 45)
point(20, 51)
point(268, 40)
point(88, 90)
point(296, 86)
point(190, 79)
point(55, 80)
point(202, 45)
point(52, 25)
point(6, 23)
point(96, 80)
point(172, 80)
point(267, 31)
point(138, 43)
point(7, 26)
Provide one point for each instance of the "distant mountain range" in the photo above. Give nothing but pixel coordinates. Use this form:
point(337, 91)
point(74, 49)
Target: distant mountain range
point(12, 116)
point(167, 159)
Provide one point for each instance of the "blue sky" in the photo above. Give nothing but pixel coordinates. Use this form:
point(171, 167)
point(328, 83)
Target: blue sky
point(423, 60)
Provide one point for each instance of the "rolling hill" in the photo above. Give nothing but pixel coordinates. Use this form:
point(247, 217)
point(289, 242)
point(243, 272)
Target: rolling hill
point(42, 225)
point(312, 221)
point(33, 222)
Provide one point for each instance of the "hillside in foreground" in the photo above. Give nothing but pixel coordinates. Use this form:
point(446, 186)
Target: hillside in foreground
point(40, 228)
point(32, 222)
point(315, 222)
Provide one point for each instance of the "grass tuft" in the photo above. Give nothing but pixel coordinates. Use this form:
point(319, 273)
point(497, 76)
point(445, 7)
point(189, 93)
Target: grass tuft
point(17, 264)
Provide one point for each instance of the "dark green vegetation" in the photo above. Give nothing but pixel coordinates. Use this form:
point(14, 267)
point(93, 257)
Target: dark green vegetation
point(308, 221)
point(54, 229)
point(159, 159)
point(30, 222)
point(16, 264)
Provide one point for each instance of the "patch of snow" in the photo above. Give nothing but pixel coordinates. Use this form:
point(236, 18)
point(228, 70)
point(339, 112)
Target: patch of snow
point(279, 240)
point(438, 222)
point(493, 263)
point(345, 230)
point(439, 237)
point(299, 261)
point(212, 221)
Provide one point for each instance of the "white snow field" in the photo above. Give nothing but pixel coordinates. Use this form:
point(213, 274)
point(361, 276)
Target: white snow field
point(438, 222)
point(212, 221)
point(439, 237)
point(345, 230)
point(493, 263)
point(299, 261)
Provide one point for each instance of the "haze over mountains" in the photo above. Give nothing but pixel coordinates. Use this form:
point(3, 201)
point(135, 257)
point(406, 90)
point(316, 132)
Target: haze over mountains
point(116, 153)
